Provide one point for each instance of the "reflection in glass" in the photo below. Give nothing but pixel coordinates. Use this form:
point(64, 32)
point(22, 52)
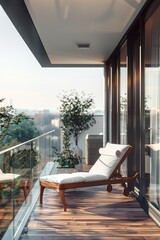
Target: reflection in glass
point(123, 101)
point(152, 108)
point(123, 94)
point(110, 103)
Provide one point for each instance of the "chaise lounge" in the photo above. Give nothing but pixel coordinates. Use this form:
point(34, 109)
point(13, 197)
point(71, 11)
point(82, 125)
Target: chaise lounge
point(103, 172)
point(10, 179)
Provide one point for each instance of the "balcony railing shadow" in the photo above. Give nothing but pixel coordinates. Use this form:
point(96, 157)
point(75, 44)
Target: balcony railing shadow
point(21, 167)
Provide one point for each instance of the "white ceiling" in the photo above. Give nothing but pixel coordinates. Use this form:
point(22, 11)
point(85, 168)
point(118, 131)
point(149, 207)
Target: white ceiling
point(61, 24)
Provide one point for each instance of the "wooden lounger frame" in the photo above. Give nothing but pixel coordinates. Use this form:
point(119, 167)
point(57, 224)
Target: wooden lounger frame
point(113, 179)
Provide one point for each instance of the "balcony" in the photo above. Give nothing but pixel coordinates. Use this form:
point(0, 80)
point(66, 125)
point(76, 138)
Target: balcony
point(92, 213)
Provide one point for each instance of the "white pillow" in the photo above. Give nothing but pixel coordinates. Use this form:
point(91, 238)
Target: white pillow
point(116, 147)
point(112, 152)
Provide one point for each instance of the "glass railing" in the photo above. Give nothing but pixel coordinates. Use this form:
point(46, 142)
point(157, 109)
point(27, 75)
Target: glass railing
point(20, 168)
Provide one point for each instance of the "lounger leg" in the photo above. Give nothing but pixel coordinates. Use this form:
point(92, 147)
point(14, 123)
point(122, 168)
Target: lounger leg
point(24, 188)
point(41, 194)
point(61, 192)
point(109, 188)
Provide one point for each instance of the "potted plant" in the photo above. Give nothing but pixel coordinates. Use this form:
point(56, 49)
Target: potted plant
point(75, 114)
point(26, 158)
point(67, 159)
point(75, 117)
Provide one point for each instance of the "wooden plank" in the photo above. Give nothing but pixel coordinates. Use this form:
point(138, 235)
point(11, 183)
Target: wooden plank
point(92, 213)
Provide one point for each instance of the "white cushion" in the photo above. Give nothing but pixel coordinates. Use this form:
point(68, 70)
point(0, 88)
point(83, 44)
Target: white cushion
point(8, 177)
point(62, 178)
point(72, 177)
point(102, 169)
point(108, 160)
point(105, 165)
point(89, 176)
point(154, 147)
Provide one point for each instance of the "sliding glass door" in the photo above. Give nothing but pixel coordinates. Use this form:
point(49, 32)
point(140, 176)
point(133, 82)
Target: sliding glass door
point(152, 108)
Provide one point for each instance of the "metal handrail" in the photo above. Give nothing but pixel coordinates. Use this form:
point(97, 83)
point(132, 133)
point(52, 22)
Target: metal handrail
point(21, 144)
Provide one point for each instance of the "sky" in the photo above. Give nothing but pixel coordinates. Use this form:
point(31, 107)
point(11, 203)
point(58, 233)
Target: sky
point(26, 85)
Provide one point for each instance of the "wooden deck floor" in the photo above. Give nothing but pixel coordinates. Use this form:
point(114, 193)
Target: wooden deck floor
point(92, 213)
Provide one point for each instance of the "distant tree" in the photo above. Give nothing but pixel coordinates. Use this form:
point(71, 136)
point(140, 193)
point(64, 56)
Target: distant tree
point(8, 117)
point(22, 132)
point(43, 121)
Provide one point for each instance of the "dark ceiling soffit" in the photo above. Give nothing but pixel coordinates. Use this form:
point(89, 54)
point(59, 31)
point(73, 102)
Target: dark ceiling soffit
point(140, 15)
point(20, 17)
point(18, 14)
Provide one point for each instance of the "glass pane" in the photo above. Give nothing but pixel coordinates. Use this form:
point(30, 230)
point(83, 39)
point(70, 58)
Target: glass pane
point(123, 94)
point(110, 104)
point(123, 100)
point(152, 108)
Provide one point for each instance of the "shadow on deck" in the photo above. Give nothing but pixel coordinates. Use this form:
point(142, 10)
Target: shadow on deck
point(92, 213)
